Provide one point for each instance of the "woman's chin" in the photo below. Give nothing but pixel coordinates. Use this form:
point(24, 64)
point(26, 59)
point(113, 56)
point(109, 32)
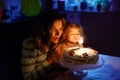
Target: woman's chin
point(55, 42)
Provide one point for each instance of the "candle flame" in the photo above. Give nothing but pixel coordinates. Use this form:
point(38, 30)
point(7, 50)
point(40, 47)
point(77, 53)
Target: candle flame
point(80, 41)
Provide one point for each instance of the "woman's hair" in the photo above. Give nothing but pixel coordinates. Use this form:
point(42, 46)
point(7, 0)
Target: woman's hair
point(68, 27)
point(47, 19)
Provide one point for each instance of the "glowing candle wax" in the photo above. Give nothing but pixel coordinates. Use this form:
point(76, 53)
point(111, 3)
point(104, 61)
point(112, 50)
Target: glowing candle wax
point(80, 41)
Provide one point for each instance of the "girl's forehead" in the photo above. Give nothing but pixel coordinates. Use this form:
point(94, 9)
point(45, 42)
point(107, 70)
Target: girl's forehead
point(73, 29)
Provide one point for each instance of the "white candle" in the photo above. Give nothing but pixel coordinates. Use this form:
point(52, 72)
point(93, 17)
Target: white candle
point(80, 41)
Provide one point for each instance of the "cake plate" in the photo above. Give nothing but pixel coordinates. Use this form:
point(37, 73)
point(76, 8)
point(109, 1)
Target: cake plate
point(80, 70)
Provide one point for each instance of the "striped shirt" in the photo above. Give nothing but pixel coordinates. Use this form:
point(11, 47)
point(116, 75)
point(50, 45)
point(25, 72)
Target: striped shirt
point(34, 63)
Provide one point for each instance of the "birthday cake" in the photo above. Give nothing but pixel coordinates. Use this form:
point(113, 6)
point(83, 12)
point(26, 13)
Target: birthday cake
point(81, 56)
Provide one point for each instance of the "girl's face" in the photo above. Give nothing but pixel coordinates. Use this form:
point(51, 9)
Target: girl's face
point(73, 35)
point(56, 31)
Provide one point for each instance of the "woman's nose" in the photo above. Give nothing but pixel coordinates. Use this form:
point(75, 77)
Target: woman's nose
point(57, 32)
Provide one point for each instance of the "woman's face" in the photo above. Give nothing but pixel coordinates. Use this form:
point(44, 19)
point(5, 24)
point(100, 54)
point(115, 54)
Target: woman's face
point(73, 35)
point(56, 31)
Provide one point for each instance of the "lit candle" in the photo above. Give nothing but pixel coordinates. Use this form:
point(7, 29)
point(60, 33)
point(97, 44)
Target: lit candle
point(80, 42)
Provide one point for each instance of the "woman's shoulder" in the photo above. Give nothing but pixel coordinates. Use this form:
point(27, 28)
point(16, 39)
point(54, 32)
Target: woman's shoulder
point(28, 43)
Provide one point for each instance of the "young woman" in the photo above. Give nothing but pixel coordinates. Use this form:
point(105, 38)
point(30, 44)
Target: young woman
point(40, 51)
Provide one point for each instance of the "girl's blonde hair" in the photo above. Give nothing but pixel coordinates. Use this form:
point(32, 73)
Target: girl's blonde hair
point(66, 29)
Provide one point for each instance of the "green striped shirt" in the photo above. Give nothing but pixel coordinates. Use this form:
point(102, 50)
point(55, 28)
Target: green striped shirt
point(34, 63)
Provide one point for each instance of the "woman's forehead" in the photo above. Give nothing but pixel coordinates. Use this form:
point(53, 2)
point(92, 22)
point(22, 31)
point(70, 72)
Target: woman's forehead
point(57, 24)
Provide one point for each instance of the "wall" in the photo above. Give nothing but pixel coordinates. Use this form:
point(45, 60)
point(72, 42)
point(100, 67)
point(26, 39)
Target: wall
point(101, 29)
point(11, 37)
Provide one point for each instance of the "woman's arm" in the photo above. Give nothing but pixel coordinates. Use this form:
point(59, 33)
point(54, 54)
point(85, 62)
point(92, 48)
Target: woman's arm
point(34, 63)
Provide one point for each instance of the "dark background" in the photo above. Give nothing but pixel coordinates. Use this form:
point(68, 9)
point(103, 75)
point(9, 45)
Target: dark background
point(101, 33)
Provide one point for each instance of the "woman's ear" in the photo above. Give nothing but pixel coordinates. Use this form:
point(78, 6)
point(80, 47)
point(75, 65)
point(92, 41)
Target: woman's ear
point(43, 32)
